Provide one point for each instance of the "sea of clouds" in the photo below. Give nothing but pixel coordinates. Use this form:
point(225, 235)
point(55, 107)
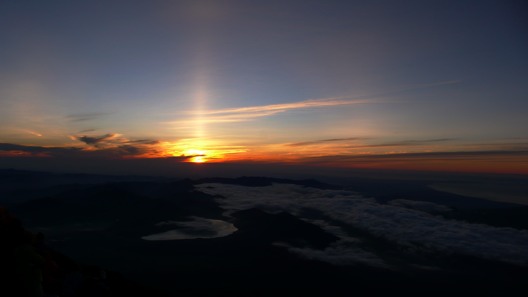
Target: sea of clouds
point(410, 224)
point(195, 228)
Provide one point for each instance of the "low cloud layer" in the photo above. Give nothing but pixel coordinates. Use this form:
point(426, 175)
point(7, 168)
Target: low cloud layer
point(403, 143)
point(322, 141)
point(409, 227)
point(109, 146)
point(342, 252)
point(96, 140)
point(195, 228)
point(484, 155)
point(425, 206)
point(120, 151)
point(38, 150)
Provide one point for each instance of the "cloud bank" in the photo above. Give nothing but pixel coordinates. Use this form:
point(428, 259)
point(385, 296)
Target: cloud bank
point(407, 227)
point(195, 228)
point(96, 140)
point(109, 146)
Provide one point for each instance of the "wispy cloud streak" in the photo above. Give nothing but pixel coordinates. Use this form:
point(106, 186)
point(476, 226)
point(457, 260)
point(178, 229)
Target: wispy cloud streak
point(248, 113)
point(323, 141)
point(88, 116)
point(312, 103)
point(237, 117)
point(288, 106)
point(446, 155)
point(404, 143)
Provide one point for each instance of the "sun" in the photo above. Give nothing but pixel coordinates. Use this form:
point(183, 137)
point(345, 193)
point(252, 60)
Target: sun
point(196, 156)
point(198, 159)
point(197, 150)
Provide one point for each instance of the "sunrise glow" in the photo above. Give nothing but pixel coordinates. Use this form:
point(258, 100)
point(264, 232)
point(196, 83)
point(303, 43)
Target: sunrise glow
point(198, 159)
point(206, 82)
point(360, 147)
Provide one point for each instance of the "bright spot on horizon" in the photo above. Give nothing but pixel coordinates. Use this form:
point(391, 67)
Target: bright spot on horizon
point(198, 150)
point(198, 156)
point(198, 159)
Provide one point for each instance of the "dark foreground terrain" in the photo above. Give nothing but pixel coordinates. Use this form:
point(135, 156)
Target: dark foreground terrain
point(256, 236)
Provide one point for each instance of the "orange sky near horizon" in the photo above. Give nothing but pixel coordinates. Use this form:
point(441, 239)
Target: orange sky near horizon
point(438, 86)
point(425, 155)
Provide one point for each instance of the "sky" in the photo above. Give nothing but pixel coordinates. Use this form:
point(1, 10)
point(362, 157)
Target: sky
point(419, 85)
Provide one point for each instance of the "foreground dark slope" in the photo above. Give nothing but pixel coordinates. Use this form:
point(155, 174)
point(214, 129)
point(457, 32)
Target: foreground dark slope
point(102, 224)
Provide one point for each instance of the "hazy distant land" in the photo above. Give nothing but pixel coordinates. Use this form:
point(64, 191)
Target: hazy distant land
point(498, 191)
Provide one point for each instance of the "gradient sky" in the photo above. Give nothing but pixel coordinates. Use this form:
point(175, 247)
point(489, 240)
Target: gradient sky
point(428, 85)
